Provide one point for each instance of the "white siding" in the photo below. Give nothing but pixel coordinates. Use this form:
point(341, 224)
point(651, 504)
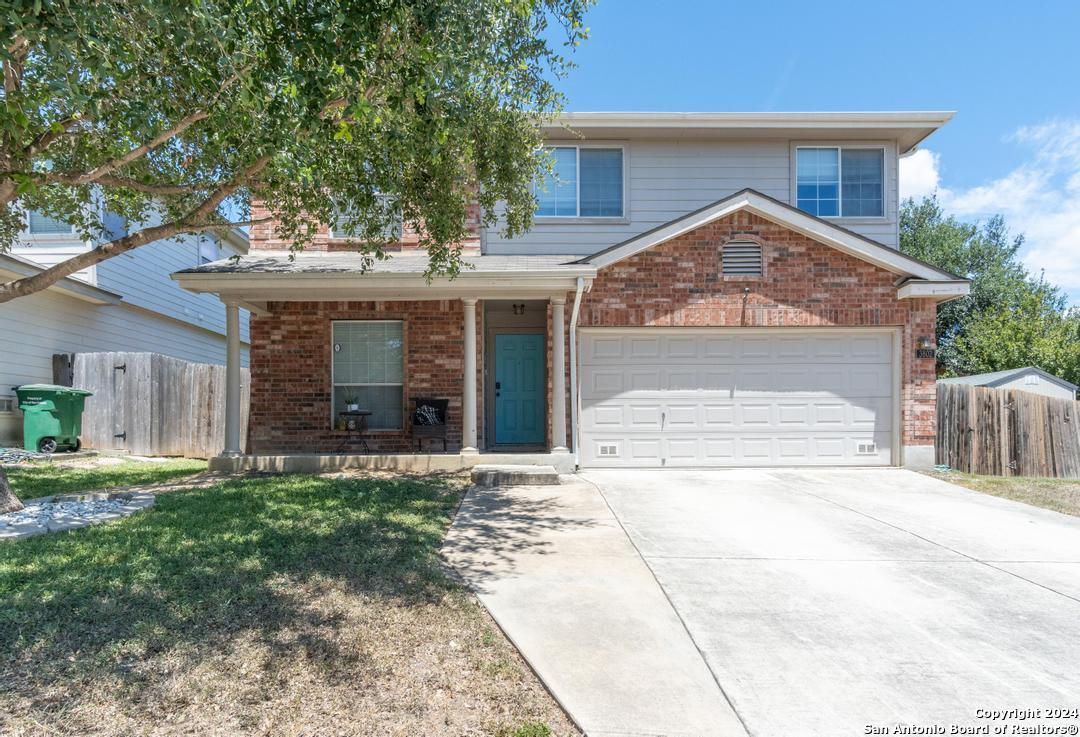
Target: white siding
point(39, 325)
point(667, 179)
point(49, 251)
point(1044, 387)
point(142, 278)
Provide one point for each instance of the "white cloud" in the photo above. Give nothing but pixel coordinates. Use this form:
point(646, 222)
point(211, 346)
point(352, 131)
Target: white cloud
point(1039, 198)
point(919, 174)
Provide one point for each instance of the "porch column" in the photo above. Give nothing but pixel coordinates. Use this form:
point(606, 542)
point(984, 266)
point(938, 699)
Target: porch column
point(558, 375)
point(468, 410)
point(232, 379)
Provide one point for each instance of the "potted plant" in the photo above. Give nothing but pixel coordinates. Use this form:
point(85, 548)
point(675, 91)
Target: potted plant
point(352, 403)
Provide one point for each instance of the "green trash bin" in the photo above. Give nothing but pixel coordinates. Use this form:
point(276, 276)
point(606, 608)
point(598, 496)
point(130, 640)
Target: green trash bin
point(52, 416)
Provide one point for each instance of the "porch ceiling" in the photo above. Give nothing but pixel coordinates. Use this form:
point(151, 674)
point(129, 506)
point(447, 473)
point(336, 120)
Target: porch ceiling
point(329, 276)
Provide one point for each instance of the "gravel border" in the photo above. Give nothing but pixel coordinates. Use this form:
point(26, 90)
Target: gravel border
point(132, 502)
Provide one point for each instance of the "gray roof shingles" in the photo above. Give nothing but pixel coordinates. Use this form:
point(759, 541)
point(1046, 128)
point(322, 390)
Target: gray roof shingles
point(404, 262)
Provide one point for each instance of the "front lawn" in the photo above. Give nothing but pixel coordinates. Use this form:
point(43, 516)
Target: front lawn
point(62, 477)
point(1060, 495)
point(262, 605)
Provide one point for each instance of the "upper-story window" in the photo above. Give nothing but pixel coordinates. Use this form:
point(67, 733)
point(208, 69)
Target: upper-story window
point(840, 181)
point(587, 183)
point(38, 223)
point(389, 210)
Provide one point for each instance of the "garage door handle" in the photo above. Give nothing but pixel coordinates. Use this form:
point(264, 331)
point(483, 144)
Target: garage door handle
point(663, 417)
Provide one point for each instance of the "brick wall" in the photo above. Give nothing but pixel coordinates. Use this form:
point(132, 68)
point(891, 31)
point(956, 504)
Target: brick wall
point(265, 237)
point(291, 376)
point(679, 283)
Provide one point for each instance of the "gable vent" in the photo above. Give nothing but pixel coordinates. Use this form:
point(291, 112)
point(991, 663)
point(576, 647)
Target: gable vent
point(741, 259)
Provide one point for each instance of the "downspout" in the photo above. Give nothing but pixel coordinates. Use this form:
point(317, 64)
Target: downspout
point(573, 371)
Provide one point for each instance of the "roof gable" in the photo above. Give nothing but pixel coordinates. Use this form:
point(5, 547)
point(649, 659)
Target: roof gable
point(781, 214)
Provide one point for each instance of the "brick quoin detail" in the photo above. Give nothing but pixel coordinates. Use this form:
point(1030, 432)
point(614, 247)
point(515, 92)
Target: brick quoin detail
point(291, 358)
point(805, 283)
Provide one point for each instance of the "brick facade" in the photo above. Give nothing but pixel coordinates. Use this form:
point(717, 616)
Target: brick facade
point(804, 283)
point(291, 357)
point(264, 236)
point(677, 283)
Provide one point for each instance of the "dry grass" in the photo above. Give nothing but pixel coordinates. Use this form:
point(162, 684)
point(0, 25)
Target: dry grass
point(1060, 495)
point(291, 605)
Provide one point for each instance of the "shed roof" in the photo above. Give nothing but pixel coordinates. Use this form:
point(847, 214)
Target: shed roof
point(997, 378)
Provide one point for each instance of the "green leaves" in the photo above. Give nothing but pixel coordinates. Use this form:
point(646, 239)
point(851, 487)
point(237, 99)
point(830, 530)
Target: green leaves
point(436, 103)
point(1011, 319)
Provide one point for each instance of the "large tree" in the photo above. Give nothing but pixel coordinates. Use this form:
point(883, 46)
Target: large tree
point(1011, 318)
point(174, 114)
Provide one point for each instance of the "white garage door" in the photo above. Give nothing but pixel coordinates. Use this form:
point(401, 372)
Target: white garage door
point(656, 397)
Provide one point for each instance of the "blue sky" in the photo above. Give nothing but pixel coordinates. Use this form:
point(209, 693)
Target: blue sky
point(1011, 70)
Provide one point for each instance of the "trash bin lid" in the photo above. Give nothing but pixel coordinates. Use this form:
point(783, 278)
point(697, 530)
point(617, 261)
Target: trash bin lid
point(53, 388)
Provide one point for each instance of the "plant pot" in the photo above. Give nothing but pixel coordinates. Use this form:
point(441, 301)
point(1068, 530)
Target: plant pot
point(352, 407)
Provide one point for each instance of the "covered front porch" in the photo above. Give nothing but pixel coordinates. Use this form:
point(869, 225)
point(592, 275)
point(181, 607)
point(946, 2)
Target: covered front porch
point(489, 348)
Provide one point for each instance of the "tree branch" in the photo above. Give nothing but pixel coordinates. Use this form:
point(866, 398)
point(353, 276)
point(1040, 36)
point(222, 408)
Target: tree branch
point(108, 180)
point(45, 139)
point(109, 166)
point(193, 221)
point(186, 122)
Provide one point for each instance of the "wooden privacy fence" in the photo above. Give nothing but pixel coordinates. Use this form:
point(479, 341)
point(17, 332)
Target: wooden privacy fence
point(1005, 432)
point(150, 404)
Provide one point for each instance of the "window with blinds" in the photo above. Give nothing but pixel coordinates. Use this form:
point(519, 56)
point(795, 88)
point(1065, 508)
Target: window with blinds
point(741, 259)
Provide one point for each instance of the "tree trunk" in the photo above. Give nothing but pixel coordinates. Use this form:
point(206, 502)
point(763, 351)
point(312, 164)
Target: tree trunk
point(8, 501)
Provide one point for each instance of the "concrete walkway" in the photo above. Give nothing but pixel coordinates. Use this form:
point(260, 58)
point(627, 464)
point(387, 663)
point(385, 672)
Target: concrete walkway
point(559, 575)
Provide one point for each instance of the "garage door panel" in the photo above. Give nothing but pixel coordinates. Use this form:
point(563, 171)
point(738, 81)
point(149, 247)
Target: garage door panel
point(644, 416)
point(683, 417)
point(707, 397)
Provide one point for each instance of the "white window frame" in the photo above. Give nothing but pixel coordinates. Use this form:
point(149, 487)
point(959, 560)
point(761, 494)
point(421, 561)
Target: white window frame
point(623, 218)
point(334, 236)
point(68, 237)
point(886, 192)
point(404, 367)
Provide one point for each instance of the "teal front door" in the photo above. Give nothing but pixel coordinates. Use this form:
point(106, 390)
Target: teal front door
point(519, 389)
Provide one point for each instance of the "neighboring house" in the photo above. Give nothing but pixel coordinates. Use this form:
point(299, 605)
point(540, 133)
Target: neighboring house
point(1026, 379)
point(712, 289)
point(127, 303)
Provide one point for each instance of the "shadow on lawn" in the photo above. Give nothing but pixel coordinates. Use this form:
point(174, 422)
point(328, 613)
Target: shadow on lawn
point(208, 566)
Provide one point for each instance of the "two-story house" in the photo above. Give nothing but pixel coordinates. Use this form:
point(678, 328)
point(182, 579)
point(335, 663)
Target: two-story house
point(698, 289)
point(127, 303)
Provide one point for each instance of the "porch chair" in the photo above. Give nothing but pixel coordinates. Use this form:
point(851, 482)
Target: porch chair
point(429, 421)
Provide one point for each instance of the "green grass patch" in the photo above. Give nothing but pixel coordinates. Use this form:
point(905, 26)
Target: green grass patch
point(46, 479)
point(205, 561)
point(1059, 495)
point(272, 605)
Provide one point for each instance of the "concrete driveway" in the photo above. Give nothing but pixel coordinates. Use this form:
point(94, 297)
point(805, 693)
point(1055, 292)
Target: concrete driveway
point(803, 602)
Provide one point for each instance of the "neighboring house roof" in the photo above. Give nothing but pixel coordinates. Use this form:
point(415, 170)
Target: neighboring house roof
point(784, 214)
point(997, 378)
point(12, 266)
point(908, 129)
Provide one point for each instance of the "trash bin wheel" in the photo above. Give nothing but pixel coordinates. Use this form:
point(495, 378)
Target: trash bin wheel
point(47, 445)
point(78, 446)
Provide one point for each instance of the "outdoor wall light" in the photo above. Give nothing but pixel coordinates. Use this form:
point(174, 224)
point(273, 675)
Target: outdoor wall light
point(519, 309)
point(924, 342)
